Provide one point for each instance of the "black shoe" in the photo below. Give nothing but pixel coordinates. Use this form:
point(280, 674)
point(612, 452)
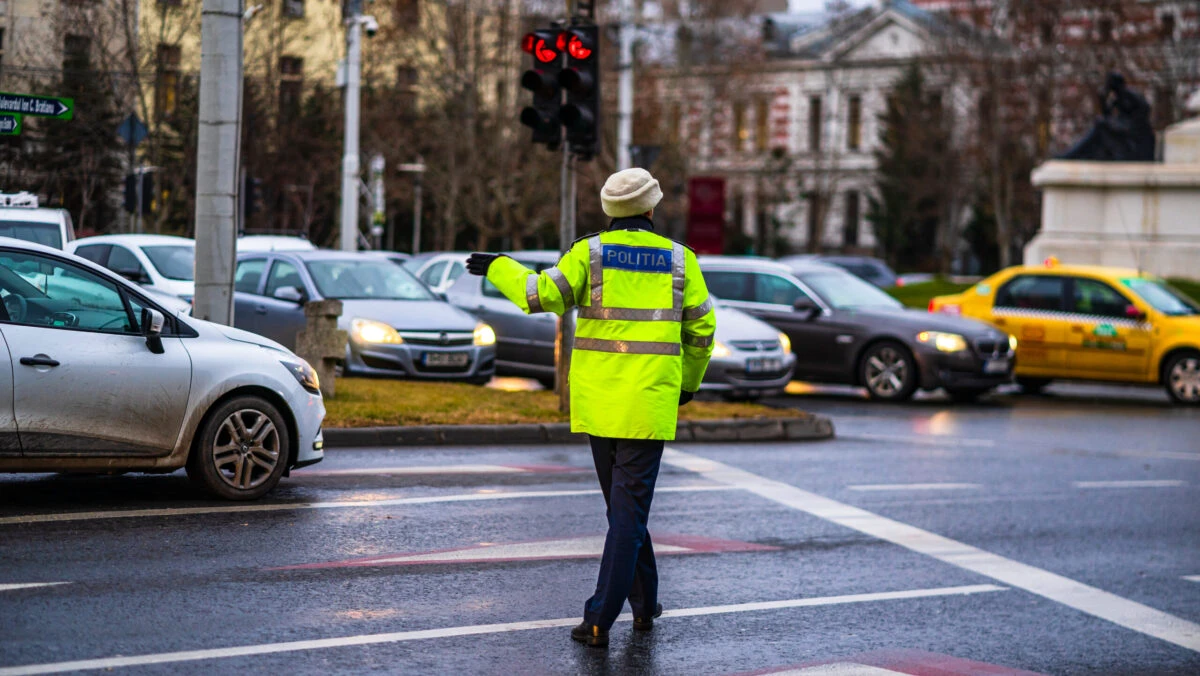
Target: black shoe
point(647, 623)
point(590, 634)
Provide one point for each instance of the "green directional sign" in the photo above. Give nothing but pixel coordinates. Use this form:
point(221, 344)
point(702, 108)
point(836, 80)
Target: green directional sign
point(56, 107)
point(10, 124)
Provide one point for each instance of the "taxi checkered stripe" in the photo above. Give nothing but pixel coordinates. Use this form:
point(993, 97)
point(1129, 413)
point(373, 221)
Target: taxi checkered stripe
point(1060, 315)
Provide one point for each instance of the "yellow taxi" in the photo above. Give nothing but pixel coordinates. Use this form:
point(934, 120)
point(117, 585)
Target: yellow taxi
point(1090, 323)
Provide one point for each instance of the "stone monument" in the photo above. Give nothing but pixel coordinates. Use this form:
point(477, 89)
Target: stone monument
point(1134, 214)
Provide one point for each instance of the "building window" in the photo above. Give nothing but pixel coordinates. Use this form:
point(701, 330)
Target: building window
point(854, 123)
point(166, 80)
point(814, 222)
point(762, 124)
point(675, 123)
point(76, 52)
point(406, 90)
point(814, 124)
point(291, 86)
point(293, 9)
point(1047, 33)
point(1164, 106)
point(740, 131)
point(1, 50)
point(408, 13)
point(850, 220)
point(170, 3)
point(1104, 29)
point(1166, 28)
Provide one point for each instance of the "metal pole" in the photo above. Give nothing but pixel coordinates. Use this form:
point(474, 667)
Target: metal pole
point(217, 158)
point(625, 87)
point(416, 247)
point(566, 326)
point(377, 214)
point(349, 238)
point(140, 181)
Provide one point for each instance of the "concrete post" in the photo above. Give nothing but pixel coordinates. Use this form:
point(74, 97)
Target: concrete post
point(321, 343)
point(218, 151)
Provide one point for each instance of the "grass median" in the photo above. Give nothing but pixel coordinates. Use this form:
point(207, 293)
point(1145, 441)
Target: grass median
point(366, 402)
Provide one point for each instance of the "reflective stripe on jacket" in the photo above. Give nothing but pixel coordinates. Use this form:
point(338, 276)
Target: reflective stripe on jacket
point(645, 328)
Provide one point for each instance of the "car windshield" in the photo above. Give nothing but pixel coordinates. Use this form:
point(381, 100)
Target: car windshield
point(173, 261)
point(366, 279)
point(1162, 297)
point(844, 291)
point(39, 233)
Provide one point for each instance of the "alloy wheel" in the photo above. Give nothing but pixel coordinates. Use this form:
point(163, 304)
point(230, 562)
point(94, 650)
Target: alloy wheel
point(246, 449)
point(1184, 380)
point(886, 372)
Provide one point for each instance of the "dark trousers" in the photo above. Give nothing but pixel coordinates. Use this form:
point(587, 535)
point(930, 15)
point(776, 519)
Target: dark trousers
point(627, 469)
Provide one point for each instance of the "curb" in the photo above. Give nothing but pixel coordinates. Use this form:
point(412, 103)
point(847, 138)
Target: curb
point(807, 428)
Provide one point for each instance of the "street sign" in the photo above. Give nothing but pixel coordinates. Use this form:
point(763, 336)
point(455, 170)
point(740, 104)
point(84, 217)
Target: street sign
point(132, 130)
point(10, 124)
point(56, 107)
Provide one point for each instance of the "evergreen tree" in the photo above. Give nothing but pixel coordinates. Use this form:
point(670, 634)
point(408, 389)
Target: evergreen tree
point(911, 159)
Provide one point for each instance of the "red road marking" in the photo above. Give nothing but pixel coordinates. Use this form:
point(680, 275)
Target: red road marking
point(538, 550)
point(438, 470)
point(906, 661)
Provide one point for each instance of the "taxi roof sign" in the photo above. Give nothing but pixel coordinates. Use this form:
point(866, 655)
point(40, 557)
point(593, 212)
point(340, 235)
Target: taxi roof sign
point(1051, 261)
point(26, 200)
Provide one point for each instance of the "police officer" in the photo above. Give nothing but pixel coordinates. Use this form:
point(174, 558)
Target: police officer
point(643, 340)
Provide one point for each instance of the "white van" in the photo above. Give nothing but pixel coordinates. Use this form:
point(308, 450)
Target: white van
point(22, 218)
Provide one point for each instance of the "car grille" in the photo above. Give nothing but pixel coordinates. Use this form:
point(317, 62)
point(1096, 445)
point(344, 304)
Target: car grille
point(988, 347)
point(438, 338)
point(754, 345)
point(739, 374)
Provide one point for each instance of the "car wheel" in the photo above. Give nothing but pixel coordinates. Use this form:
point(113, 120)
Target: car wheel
point(1182, 378)
point(1032, 385)
point(889, 372)
point(966, 395)
point(241, 450)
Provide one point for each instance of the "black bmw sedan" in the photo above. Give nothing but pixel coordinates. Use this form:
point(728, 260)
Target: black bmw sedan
point(846, 331)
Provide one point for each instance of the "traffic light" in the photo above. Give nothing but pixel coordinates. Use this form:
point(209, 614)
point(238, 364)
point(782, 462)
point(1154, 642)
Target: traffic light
point(131, 192)
point(542, 80)
point(581, 79)
point(252, 197)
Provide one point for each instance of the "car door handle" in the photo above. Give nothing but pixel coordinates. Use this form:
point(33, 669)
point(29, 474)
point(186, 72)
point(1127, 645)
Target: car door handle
point(260, 309)
point(40, 360)
point(1076, 329)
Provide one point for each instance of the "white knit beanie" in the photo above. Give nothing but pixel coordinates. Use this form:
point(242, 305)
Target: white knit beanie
point(631, 192)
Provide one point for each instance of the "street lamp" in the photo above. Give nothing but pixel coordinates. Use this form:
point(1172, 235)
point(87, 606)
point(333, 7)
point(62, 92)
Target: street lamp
point(417, 169)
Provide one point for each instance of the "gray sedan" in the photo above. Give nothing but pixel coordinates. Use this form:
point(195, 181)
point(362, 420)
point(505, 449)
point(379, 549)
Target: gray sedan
point(397, 327)
point(750, 358)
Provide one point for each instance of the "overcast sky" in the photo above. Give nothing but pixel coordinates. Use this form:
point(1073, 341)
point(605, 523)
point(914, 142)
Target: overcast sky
point(816, 5)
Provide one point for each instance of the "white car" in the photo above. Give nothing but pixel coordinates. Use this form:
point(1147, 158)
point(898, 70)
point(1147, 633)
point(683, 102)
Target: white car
point(22, 218)
point(101, 379)
point(268, 243)
point(439, 272)
point(160, 262)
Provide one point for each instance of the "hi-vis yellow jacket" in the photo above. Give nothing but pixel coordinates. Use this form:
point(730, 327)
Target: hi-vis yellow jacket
point(645, 328)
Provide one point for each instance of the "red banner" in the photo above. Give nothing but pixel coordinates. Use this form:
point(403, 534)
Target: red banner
point(706, 215)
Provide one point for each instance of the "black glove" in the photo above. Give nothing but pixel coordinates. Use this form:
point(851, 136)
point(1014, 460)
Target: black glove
point(685, 397)
point(479, 263)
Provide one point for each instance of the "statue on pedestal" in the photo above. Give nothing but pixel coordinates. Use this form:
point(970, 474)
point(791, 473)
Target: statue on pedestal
point(1123, 132)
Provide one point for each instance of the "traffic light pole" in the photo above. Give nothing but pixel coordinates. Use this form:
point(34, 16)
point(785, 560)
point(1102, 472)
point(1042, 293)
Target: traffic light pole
point(349, 224)
point(625, 87)
point(566, 325)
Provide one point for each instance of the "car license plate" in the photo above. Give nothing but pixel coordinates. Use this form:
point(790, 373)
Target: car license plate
point(763, 365)
point(446, 358)
point(995, 366)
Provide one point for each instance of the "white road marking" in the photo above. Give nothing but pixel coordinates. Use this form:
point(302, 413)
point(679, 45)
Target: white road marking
point(425, 469)
point(914, 487)
point(1145, 483)
point(1165, 455)
point(340, 504)
point(1090, 600)
point(1192, 578)
point(929, 440)
point(472, 630)
point(29, 585)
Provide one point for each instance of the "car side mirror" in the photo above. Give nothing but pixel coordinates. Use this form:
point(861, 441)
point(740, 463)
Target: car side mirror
point(291, 294)
point(1133, 312)
point(805, 307)
point(152, 327)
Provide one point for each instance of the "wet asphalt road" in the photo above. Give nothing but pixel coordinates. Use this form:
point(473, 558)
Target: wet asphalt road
point(1099, 486)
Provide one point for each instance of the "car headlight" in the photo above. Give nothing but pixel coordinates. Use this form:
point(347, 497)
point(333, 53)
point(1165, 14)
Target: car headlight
point(371, 331)
point(484, 335)
point(720, 351)
point(304, 374)
point(785, 343)
point(1012, 343)
point(944, 342)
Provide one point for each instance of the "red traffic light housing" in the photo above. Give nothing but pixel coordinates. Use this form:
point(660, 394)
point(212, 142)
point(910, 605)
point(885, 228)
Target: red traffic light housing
point(541, 45)
point(581, 79)
point(542, 116)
